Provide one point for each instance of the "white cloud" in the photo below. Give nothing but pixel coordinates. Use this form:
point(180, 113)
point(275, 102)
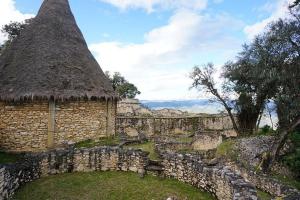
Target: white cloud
point(160, 65)
point(152, 5)
point(8, 13)
point(279, 9)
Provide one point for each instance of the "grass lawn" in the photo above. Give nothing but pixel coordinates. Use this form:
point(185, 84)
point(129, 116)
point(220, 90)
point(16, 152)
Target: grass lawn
point(108, 141)
point(108, 186)
point(263, 195)
point(6, 158)
point(148, 146)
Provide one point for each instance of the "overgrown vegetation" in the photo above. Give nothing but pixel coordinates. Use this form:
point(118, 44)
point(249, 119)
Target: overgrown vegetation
point(12, 30)
point(266, 130)
point(267, 69)
point(291, 181)
point(107, 141)
point(263, 195)
point(226, 150)
point(124, 88)
point(6, 158)
point(292, 159)
point(108, 186)
point(148, 146)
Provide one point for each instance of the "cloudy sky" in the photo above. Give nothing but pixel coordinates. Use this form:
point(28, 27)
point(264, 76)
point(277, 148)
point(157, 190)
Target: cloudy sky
point(156, 43)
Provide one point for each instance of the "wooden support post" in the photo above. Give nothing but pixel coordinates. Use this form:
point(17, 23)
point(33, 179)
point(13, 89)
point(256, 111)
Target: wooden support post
point(51, 123)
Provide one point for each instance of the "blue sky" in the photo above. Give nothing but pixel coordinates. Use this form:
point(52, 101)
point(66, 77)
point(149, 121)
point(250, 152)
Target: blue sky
point(156, 43)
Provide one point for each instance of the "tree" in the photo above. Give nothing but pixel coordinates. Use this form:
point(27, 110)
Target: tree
point(122, 86)
point(251, 77)
point(295, 4)
point(203, 80)
point(12, 30)
point(266, 69)
point(284, 35)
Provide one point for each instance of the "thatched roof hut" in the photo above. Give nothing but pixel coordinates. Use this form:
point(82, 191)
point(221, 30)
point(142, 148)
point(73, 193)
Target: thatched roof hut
point(50, 59)
point(52, 90)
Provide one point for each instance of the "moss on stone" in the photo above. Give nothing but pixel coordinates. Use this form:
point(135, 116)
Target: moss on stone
point(108, 141)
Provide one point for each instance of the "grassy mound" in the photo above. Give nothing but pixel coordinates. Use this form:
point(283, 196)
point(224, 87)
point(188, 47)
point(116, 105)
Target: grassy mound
point(108, 186)
point(148, 146)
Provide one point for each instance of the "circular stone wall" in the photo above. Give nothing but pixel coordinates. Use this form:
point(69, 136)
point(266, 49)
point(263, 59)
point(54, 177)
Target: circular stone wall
point(108, 186)
point(220, 181)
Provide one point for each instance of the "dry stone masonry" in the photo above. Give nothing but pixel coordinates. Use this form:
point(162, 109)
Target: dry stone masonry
point(221, 182)
point(28, 126)
point(62, 161)
point(173, 125)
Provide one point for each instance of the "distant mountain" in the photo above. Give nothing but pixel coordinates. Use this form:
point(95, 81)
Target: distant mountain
point(194, 106)
point(201, 106)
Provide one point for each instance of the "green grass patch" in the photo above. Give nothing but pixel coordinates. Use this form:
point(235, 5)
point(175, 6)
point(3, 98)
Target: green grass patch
point(6, 158)
point(148, 146)
point(107, 141)
point(184, 139)
point(287, 180)
point(108, 186)
point(263, 195)
point(226, 149)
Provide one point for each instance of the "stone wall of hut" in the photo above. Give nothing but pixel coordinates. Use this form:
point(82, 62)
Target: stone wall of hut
point(27, 126)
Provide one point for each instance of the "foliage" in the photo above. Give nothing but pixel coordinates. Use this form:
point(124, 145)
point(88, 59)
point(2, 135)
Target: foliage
point(287, 180)
point(267, 69)
point(108, 186)
point(266, 130)
point(227, 150)
point(12, 30)
point(107, 141)
point(6, 158)
point(148, 146)
point(263, 195)
point(292, 159)
point(122, 86)
point(203, 80)
point(295, 3)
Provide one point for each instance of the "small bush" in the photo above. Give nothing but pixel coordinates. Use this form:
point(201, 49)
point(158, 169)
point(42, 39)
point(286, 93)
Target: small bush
point(292, 159)
point(266, 130)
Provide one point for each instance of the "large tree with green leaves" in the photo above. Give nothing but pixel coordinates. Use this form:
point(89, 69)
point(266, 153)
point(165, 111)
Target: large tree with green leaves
point(266, 69)
point(122, 86)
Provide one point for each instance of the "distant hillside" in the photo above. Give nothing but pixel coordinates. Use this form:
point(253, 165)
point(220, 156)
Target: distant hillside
point(194, 106)
point(200, 106)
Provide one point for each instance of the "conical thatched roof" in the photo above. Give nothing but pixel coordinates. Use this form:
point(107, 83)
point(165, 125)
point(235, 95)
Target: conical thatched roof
point(50, 59)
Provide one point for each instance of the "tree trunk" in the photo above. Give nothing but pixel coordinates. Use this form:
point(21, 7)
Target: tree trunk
point(228, 109)
point(279, 143)
point(270, 115)
point(258, 121)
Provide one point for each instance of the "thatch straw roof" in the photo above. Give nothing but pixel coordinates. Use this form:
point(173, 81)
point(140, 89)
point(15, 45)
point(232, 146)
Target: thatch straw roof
point(50, 59)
